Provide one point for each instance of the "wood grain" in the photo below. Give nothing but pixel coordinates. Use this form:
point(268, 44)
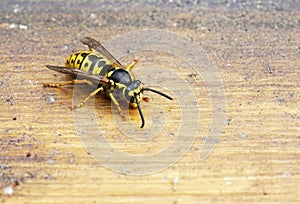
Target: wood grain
point(257, 157)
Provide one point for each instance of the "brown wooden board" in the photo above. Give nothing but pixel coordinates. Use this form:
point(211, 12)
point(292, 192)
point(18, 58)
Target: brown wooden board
point(256, 48)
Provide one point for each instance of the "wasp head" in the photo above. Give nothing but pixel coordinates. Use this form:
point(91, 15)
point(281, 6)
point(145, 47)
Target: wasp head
point(134, 94)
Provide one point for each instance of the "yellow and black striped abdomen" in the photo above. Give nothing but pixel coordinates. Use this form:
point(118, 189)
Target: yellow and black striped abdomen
point(90, 62)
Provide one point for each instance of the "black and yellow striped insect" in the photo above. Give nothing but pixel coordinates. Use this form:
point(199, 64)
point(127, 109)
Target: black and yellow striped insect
point(98, 67)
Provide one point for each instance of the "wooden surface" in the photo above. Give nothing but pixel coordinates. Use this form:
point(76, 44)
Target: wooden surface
point(257, 51)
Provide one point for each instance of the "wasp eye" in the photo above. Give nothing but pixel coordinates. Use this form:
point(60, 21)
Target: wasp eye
point(132, 99)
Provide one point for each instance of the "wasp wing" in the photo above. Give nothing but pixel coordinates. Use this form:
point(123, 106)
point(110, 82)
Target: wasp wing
point(97, 46)
point(96, 79)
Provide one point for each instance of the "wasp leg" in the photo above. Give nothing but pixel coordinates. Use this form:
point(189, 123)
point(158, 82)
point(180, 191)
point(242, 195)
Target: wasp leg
point(114, 100)
point(146, 99)
point(75, 81)
point(129, 67)
point(88, 97)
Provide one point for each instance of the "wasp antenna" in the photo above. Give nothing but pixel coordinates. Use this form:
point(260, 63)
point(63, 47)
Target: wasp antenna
point(158, 92)
point(140, 111)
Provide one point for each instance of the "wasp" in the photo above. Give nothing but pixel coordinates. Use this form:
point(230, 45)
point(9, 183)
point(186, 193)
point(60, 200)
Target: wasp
point(98, 67)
